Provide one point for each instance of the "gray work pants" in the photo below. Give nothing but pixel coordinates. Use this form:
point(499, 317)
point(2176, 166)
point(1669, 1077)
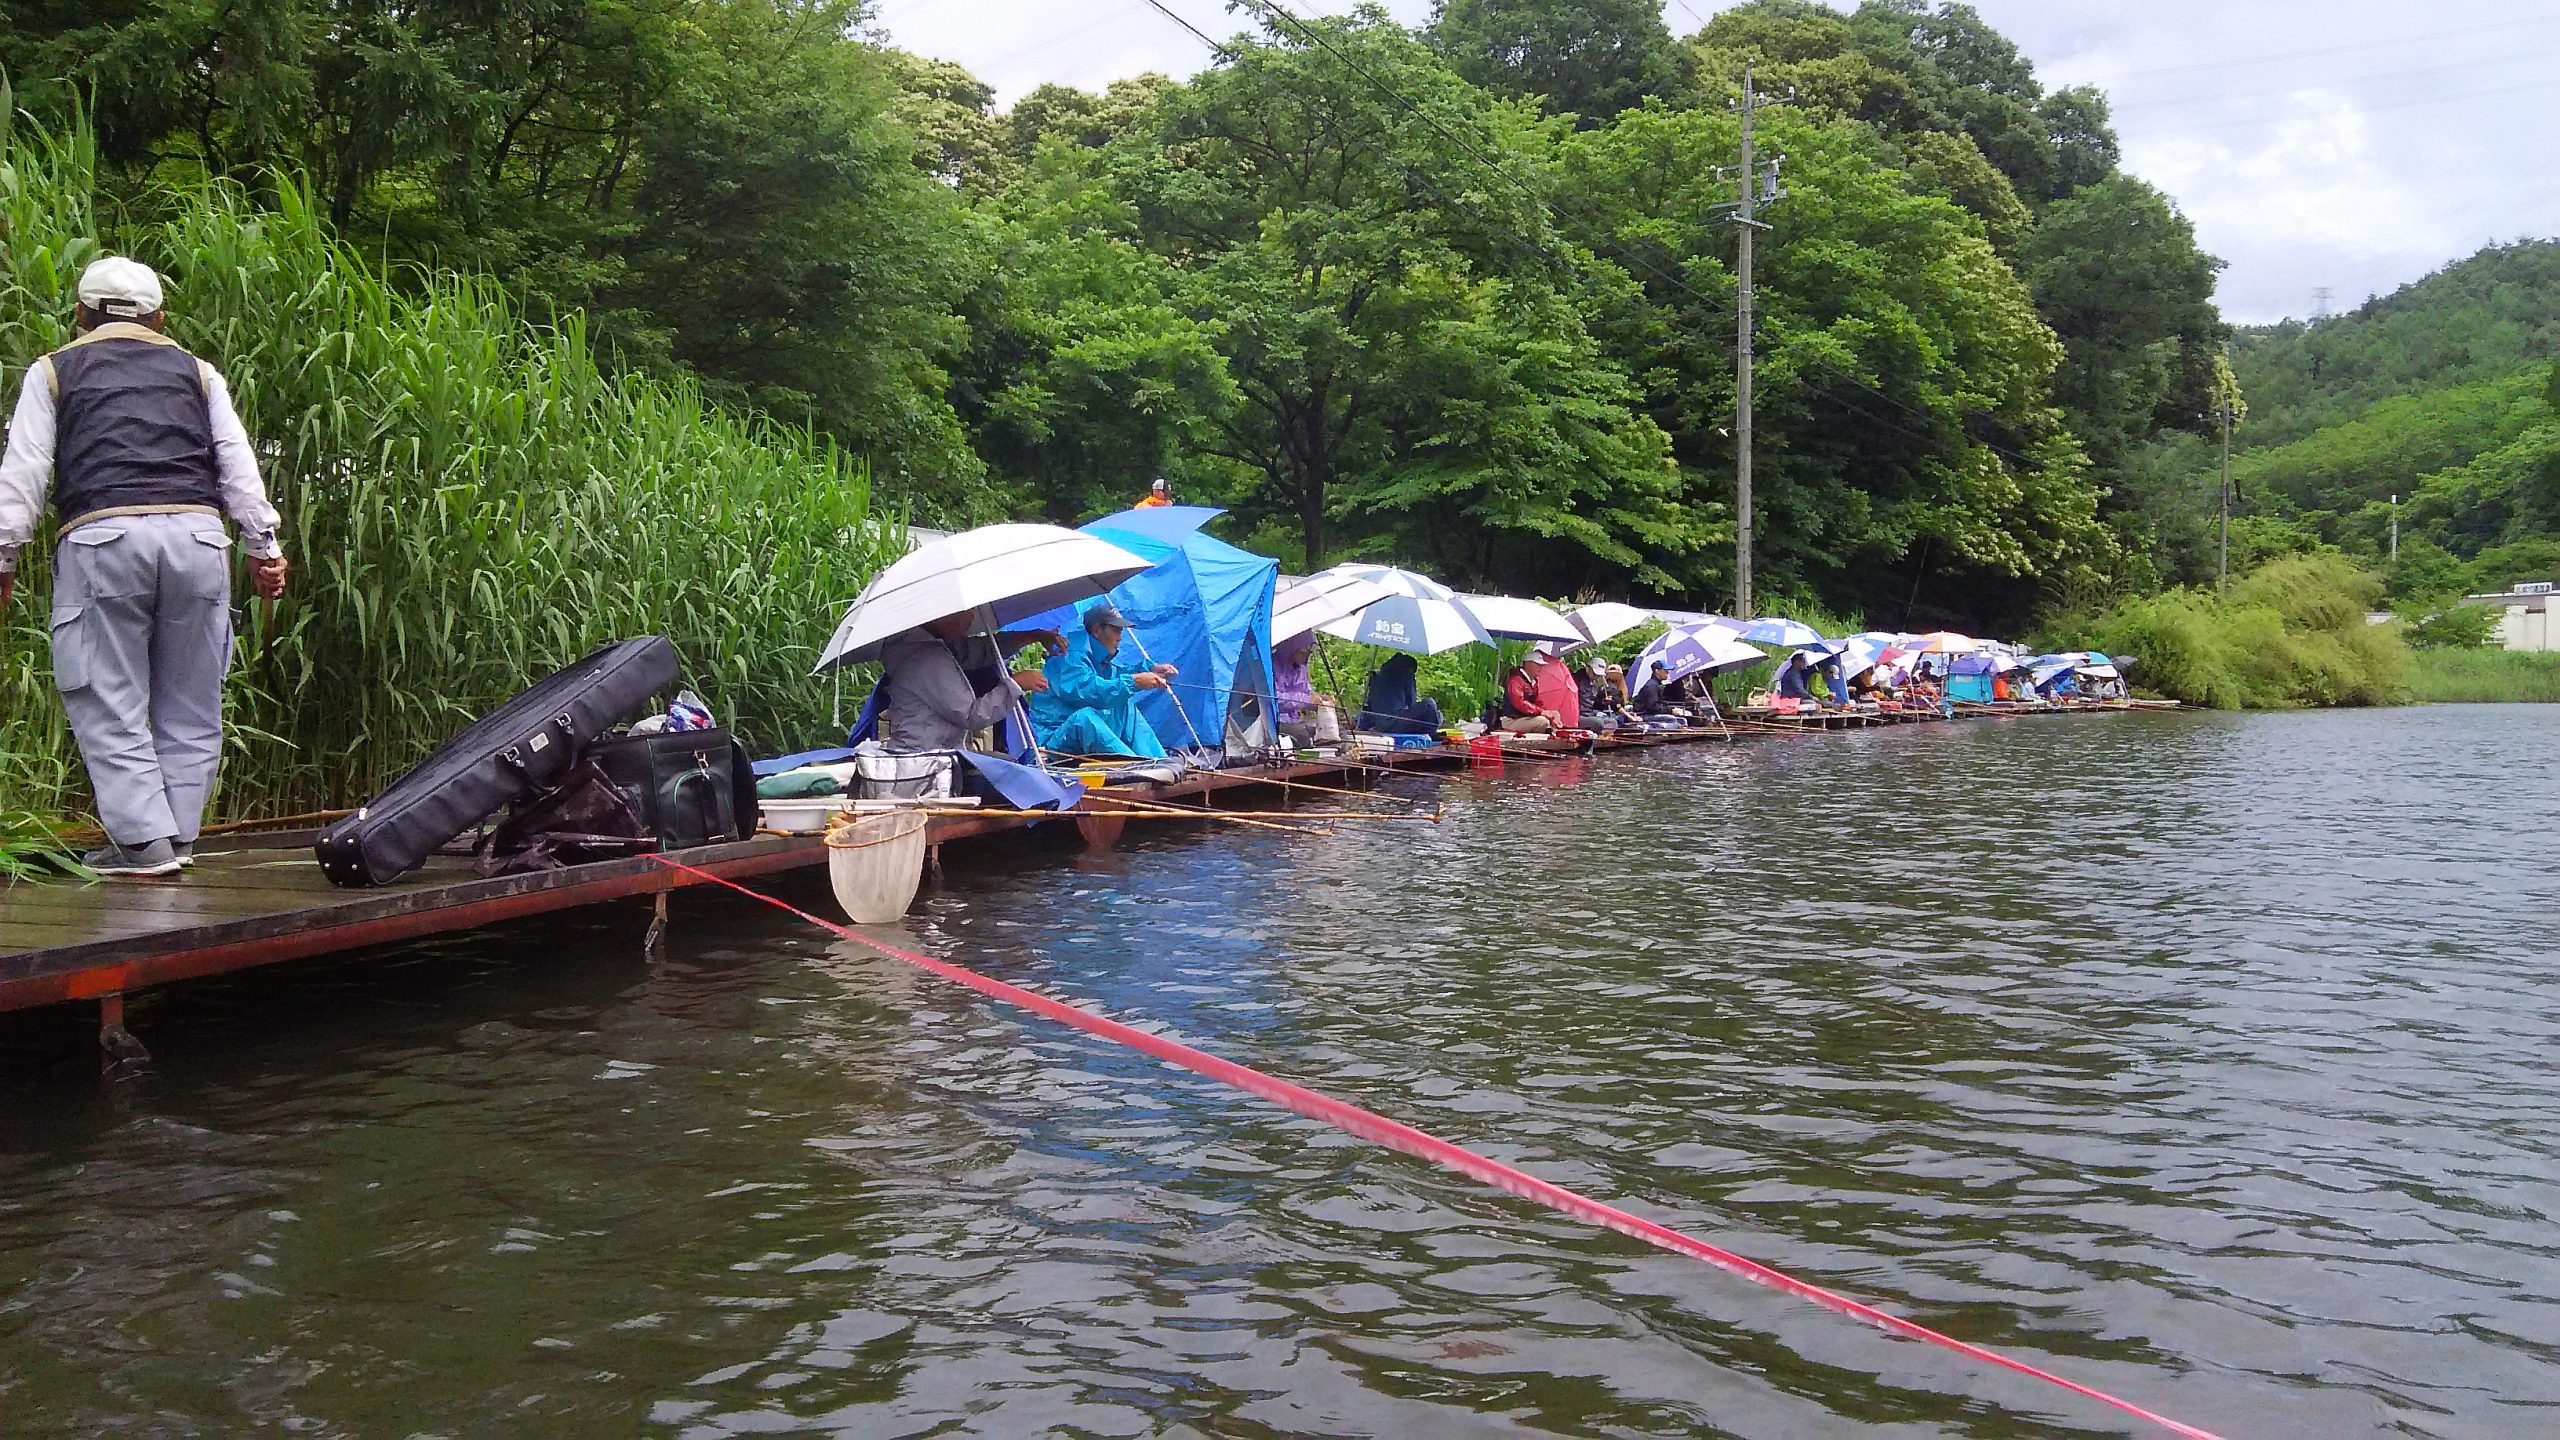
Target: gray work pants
point(141, 637)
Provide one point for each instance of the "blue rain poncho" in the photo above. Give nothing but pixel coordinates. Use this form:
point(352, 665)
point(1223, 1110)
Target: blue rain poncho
point(1090, 707)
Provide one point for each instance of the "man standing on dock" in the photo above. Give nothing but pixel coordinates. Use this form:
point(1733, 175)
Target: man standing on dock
point(142, 453)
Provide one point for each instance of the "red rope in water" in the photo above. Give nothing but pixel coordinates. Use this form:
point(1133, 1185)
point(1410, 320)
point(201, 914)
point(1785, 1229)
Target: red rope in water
point(1380, 1130)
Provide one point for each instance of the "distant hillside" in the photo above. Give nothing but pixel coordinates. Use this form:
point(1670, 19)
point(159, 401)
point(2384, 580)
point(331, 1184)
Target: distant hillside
point(2445, 393)
point(2478, 319)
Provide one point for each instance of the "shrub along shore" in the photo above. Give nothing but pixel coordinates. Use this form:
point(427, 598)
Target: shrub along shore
point(2441, 677)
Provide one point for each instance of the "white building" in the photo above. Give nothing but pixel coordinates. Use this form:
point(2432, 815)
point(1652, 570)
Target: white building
point(2530, 618)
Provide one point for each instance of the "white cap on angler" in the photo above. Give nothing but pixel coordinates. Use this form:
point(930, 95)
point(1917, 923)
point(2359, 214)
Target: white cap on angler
point(121, 287)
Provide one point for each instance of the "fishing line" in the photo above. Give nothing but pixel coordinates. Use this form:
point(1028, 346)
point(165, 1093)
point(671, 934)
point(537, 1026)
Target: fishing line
point(1394, 1135)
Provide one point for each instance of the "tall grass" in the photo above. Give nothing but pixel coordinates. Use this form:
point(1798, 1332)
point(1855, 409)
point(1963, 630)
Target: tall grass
point(2291, 633)
point(472, 501)
point(2447, 676)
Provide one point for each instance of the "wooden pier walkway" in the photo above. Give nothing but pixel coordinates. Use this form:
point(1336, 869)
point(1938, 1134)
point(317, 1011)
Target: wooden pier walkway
point(261, 900)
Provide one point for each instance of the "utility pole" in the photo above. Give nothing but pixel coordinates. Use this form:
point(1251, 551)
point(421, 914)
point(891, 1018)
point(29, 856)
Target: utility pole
point(1752, 193)
point(1742, 374)
point(2395, 529)
point(2222, 582)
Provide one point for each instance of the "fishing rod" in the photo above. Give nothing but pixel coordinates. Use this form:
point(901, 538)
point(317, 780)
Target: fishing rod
point(1202, 810)
point(1287, 784)
point(1177, 812)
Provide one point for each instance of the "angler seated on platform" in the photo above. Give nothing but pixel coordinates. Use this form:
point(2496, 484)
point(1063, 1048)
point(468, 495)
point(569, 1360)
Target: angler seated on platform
point(1603, 703)
point(1835, 684)
point(940, 685)
point(1653, 700)
point(1295, 700)
point(1793, 679)
point(1392, 706)
point(1869, 685)
point(1519, 713)
point(1090, 707)
point(1693, 694)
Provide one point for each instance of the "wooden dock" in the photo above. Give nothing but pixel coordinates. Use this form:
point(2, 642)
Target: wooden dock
point(261, 900)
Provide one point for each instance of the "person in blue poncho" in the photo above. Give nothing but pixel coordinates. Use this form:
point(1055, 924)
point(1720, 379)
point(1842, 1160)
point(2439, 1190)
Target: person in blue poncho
point(1391, 707)
point(1090, 707)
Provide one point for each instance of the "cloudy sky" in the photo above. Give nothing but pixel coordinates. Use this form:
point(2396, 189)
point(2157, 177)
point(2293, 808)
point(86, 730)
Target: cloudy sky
point(2348, 144)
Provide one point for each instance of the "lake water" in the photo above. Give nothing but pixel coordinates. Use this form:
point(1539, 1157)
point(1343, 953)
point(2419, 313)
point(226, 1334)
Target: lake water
point(2206, 1059)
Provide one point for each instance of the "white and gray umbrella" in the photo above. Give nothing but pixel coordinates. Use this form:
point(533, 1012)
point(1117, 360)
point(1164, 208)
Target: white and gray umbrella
point(1516, 619)
point(1607, 619)
point(1303, 605)
point(1000, 572)
point(1419, 615)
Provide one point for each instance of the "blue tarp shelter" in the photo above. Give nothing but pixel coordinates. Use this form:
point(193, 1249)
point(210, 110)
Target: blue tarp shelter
point(1205, 608)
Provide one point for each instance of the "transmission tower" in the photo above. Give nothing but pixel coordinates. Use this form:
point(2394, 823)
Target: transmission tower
point(2319, 303)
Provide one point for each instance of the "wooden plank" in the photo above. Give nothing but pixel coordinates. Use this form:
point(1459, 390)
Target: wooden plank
point(359, 907)
point(49, 931)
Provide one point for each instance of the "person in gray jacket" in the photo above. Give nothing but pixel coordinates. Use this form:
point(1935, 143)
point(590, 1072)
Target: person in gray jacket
point(142, 454)
point(944, 684)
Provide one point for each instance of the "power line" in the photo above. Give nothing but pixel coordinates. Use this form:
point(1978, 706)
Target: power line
point(2361, 110)
point(2331, 82)
point(2399, 43)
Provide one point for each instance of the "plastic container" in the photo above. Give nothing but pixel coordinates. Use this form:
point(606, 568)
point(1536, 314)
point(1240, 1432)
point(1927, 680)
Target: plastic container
point(875, 863)
point(804, 816)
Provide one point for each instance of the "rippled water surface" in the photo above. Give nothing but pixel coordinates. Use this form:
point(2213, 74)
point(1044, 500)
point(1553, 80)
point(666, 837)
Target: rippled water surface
point(2206, 1059)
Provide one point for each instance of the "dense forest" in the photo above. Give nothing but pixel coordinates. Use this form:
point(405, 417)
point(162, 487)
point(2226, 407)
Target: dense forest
point(2446, 394)
point(1462, 295)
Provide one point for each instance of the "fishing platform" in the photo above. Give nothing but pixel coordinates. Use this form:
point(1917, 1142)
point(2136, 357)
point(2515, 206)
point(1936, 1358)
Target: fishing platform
point(262, 900)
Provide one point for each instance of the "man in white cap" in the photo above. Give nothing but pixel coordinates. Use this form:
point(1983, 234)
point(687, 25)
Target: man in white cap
point(142, 454)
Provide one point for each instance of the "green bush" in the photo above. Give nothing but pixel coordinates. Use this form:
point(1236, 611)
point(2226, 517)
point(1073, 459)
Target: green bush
point(2291, 633)
point(2444, 676)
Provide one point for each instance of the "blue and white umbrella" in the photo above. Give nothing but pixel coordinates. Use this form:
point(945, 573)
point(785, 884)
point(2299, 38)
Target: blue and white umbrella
point(1774, 630)
point(1699, 649)
point(1419, 615)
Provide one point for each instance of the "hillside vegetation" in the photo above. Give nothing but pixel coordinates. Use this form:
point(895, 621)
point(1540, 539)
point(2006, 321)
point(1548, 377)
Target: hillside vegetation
point(2445, 394)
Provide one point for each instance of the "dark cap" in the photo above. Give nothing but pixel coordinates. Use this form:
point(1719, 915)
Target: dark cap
point(1102, 615)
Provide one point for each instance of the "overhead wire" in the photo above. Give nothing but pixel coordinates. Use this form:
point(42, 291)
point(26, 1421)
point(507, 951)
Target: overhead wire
point(2397, 43)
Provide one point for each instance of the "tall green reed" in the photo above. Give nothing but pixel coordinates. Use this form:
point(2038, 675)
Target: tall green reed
point(471, 499)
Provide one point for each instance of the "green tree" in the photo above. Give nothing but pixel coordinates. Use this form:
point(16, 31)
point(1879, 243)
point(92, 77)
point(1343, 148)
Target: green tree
point(726, 186)
point(2116, 272)
point(1403, 358)
point(1908, 444)
point(1587, 58)
point(1088, 378)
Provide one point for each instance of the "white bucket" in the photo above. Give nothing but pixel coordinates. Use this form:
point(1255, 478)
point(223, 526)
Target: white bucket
point(875, 863)
point(800, 816)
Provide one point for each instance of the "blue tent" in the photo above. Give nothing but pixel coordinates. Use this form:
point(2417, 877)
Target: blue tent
point(1205, 608)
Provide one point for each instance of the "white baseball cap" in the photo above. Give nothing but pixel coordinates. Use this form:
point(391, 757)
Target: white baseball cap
point(117, 286)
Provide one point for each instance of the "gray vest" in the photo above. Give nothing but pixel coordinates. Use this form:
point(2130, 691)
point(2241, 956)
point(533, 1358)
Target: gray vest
point(133, 426)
